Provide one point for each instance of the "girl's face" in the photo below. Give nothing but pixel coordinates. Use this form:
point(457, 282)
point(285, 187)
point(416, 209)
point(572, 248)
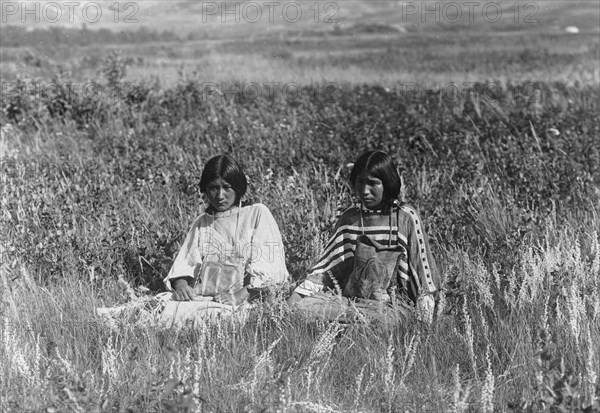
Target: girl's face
point(370, 191)
point(220, 194)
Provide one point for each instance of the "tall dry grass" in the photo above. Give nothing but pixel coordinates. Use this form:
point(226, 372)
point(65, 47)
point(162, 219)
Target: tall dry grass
point(96, 198)
point(508, 343)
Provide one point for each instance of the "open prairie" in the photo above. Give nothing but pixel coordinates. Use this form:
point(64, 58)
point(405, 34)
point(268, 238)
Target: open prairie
point(106, 125)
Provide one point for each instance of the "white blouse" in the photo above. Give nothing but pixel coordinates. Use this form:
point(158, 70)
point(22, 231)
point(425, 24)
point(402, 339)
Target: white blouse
point(250, 232)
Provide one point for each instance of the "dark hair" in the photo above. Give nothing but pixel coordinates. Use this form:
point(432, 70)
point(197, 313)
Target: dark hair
point(226, 168)
point(379, 165)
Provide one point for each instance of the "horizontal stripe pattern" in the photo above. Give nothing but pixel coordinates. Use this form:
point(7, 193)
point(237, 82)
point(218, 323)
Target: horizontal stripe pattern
point(342, 244)
point(379, 233)
point(404, 233)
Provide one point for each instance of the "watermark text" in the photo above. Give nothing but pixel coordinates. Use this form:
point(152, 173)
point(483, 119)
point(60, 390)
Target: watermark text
point(69, 11)
point(468, 11)
point(269, 12)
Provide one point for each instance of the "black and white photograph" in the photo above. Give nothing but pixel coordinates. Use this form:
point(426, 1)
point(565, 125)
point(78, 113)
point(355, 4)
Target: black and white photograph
point(299, 206)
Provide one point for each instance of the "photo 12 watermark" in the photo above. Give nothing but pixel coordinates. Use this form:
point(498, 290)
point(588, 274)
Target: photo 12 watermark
point(266, 252)
point(468, 11)
point(270, 12)
point(456, 92)
point(48, 92)
point(327, 92)
point(270, 91)
point(249, 11)
point(69, 11)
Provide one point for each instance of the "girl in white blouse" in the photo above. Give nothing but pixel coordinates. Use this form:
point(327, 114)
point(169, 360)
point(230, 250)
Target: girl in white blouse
point(245, 237)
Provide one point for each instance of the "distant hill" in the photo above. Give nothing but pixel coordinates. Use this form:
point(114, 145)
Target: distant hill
point(205, 19)
point(17, 36)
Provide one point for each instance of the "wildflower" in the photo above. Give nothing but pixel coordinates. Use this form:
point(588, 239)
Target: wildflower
point(268, 175)
point(487, 392)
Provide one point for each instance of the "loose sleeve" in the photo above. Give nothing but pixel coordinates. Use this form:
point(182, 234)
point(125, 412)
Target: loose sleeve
point(421, 264)
point(267, 262)
point(188, 258)
point(335, 260)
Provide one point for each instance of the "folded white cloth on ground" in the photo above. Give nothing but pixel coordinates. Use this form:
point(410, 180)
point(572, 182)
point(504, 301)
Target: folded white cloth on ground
point(162, 311)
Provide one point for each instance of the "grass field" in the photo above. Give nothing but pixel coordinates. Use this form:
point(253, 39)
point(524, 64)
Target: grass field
point(97, 194)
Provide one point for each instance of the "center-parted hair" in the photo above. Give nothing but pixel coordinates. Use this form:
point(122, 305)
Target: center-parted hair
point(226, 168)
point(379, 165)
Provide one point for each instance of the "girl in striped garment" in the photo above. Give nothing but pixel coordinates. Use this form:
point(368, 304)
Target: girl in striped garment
point(378, 246)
